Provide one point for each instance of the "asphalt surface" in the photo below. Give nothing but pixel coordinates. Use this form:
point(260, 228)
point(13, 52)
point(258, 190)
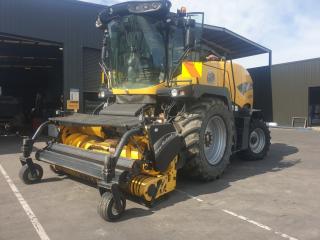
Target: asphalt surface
point(277, 198)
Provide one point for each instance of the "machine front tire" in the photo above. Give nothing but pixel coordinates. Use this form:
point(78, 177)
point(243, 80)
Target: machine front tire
point(26, 175)
point(107, 209)
point(259, 141)
point(208, 130)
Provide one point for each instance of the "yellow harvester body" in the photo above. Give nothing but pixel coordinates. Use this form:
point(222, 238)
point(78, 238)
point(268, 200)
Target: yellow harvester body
point(236, 78)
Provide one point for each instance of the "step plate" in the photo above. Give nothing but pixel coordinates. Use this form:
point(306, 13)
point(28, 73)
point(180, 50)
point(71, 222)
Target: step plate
point(79, 119)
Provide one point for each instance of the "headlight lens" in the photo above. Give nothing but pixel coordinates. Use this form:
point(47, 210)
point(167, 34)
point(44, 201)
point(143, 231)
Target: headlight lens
point(101, 94)
point(174, 92)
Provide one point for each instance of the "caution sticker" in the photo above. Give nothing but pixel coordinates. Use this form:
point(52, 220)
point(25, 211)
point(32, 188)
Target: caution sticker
point(73, 105)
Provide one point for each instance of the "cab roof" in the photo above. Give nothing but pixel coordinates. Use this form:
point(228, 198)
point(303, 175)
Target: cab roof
point(230, 44)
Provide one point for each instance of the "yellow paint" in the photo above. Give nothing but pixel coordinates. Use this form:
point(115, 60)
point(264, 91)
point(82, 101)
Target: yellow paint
point(94, 139)
point(164, 183)
point(191, 70)
point(103, 79)
point(193, 73)
point(240, 74)
point(90, 138)
point(216, 69)
point(197, 73)
point(72, 105)
point(145, 91)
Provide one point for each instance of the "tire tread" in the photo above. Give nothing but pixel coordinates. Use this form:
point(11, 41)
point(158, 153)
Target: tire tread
point(197, 167)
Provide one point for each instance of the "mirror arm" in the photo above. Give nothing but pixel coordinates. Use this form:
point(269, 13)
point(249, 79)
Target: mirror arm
point(103, 58)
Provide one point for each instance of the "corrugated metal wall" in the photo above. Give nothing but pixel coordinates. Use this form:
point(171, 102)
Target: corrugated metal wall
point(91, 70)
point(290, 84)
point(70, 23)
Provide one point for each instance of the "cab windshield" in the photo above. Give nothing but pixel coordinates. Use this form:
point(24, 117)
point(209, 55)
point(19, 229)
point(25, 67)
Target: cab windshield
point(136, 52)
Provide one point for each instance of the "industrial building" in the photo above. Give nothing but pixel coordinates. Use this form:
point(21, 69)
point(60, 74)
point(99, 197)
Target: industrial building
point(293, 91)
point(47, 49)
point(50, 48)
point(296, 91)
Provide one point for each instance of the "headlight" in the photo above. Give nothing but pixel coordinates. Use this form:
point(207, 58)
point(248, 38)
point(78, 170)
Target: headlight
point(174, 92)
point(102, 94)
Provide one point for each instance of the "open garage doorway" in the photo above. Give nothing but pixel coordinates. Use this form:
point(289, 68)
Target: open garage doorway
point(31, 82)
point(314, 106)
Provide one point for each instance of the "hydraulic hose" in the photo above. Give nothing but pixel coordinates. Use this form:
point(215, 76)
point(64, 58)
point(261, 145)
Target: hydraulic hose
point(111, 160)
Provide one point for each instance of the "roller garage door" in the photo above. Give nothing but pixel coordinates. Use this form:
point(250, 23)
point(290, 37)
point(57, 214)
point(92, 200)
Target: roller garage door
point(31, 82)
point(91, 78)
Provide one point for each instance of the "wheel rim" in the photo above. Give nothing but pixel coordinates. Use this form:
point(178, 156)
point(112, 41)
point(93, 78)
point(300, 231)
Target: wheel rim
point(215, 140)
point(257, 140)
point(33, 178)
point(114, 210)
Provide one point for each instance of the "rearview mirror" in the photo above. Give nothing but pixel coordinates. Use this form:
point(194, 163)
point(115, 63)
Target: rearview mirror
point(190, 33)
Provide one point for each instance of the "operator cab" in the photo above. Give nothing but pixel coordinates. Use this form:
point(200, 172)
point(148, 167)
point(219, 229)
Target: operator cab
point(137, 51)
point(144, 43)
point(147, 50)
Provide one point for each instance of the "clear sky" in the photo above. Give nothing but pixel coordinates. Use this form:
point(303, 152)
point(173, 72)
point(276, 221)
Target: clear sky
point(290, 28)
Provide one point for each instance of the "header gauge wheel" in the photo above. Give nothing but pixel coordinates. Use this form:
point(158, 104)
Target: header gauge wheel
point(107, 207)
point(26, 175)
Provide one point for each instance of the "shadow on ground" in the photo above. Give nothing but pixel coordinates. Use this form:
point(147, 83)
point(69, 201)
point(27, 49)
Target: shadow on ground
point(237, 170)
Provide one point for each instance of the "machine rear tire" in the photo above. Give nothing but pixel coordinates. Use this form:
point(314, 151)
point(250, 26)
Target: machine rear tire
point(106, 207)
point(26, 176)
point(259, 141)
point(207, 125)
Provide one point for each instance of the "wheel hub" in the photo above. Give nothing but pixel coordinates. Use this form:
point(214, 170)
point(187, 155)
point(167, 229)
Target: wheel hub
point(114, 210)
point(33, 176)
point(253, 139)
point(215, 140)
point(208, 139)
point(257, 140)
